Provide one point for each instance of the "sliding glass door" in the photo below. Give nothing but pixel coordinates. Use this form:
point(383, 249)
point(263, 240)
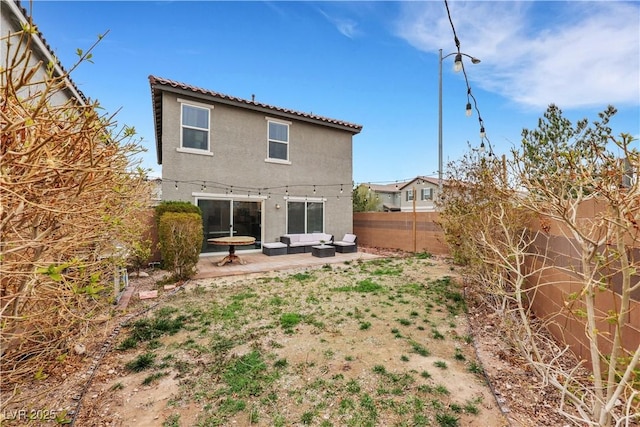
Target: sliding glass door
point(223, 218)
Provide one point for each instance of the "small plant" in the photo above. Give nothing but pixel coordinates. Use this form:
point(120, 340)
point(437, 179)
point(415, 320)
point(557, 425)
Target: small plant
point(142, 362)
point(471, 408)
point(127, 343)
point(446, 419)
point(475, 368)
point(440, 364)
point(307, 418)
point(440, 389)
point(404, 358)
point(365, 325)
point(436, 334)
point(117, 386)
point(289, 320)
point(153, 377)
point(379, 369)
point(281, 363)
point(353, 387)
point(420, 349)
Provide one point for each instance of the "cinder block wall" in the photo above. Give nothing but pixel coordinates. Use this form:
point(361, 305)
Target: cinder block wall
point(396, 230)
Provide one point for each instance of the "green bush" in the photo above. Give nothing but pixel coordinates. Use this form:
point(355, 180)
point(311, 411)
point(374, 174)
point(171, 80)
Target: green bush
point(180, 242)
point(176, 206)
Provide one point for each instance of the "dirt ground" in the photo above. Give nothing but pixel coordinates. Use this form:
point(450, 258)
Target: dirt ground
point(104, 394)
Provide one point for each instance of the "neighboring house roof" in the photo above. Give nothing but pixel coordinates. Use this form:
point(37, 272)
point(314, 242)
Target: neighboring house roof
point(386, 188)
point(20, 16)
point(430, 180)
point(159, 84)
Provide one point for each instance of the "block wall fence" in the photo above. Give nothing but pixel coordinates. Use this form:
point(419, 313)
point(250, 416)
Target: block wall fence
point(421, 232)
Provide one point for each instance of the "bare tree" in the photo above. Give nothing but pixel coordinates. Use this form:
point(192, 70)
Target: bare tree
point(70, 195)
point(564, 167)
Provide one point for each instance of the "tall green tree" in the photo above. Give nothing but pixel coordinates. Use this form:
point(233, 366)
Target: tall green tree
point(364, 200)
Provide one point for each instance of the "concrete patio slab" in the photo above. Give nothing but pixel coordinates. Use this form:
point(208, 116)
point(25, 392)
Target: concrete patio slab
point(261, 263)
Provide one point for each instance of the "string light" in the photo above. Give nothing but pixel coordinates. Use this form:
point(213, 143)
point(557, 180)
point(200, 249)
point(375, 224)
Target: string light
point(459, 66)
point(211, 187)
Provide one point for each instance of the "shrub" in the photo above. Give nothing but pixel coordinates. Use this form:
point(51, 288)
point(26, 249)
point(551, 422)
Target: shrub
point(180, 242)
point(177, 207)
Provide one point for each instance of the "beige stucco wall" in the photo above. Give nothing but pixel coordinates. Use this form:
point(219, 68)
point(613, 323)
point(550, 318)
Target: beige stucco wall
point(319, 156)
point(420, 205)
point(11, 20)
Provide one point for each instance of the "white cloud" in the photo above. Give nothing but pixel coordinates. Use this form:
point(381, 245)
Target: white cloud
point(575, 54)
point(347, 27)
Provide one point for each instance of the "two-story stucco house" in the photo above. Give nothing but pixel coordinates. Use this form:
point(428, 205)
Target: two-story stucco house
point(254, 169)
point(420, 194)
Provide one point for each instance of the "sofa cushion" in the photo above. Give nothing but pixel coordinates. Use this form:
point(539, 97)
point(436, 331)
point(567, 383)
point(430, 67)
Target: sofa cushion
point(293, 237)
point(308, 238)
point(274, 245)
point(349, 238)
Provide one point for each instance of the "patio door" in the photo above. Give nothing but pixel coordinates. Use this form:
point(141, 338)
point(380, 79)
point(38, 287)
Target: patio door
point(223, 218)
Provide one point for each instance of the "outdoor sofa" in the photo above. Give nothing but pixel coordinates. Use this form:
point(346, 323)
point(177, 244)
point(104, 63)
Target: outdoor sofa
point(301, 243)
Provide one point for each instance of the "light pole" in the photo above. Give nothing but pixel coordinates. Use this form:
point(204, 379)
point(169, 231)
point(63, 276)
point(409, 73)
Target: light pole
point(457, 67)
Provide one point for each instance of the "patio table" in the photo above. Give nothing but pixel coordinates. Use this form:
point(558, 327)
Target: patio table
point(232, 242)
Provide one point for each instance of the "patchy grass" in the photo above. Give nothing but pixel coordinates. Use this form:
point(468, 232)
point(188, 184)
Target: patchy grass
point(334, 346)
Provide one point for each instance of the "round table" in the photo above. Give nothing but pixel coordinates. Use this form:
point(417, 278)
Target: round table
point(232, 242)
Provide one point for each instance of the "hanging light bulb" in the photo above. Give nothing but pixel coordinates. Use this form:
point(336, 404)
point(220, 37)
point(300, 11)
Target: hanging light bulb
point(340, 188)
point(457, 64)
point(468, 112)
point(176, 185)
point(482, 133)
point(482, 147)
point(314, 189)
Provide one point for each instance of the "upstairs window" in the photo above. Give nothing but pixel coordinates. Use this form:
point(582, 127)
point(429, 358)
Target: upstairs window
point(278, 146)
point(427, 194)
point(195, 127)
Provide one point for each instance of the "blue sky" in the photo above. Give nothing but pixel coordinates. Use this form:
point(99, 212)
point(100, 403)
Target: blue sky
point(371, 63)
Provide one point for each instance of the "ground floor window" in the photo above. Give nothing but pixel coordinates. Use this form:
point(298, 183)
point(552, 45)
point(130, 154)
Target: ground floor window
point(305, 217)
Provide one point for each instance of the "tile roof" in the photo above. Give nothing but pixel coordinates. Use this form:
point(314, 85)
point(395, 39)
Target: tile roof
point(428, 179)
point(159, 84)
point(386, 188)
point(48, 51)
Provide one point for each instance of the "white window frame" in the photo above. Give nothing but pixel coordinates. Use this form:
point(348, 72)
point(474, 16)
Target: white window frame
point(269, 159)
point(409, 195)
point(306, 200)
point(208, 108)
point(424, 194)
